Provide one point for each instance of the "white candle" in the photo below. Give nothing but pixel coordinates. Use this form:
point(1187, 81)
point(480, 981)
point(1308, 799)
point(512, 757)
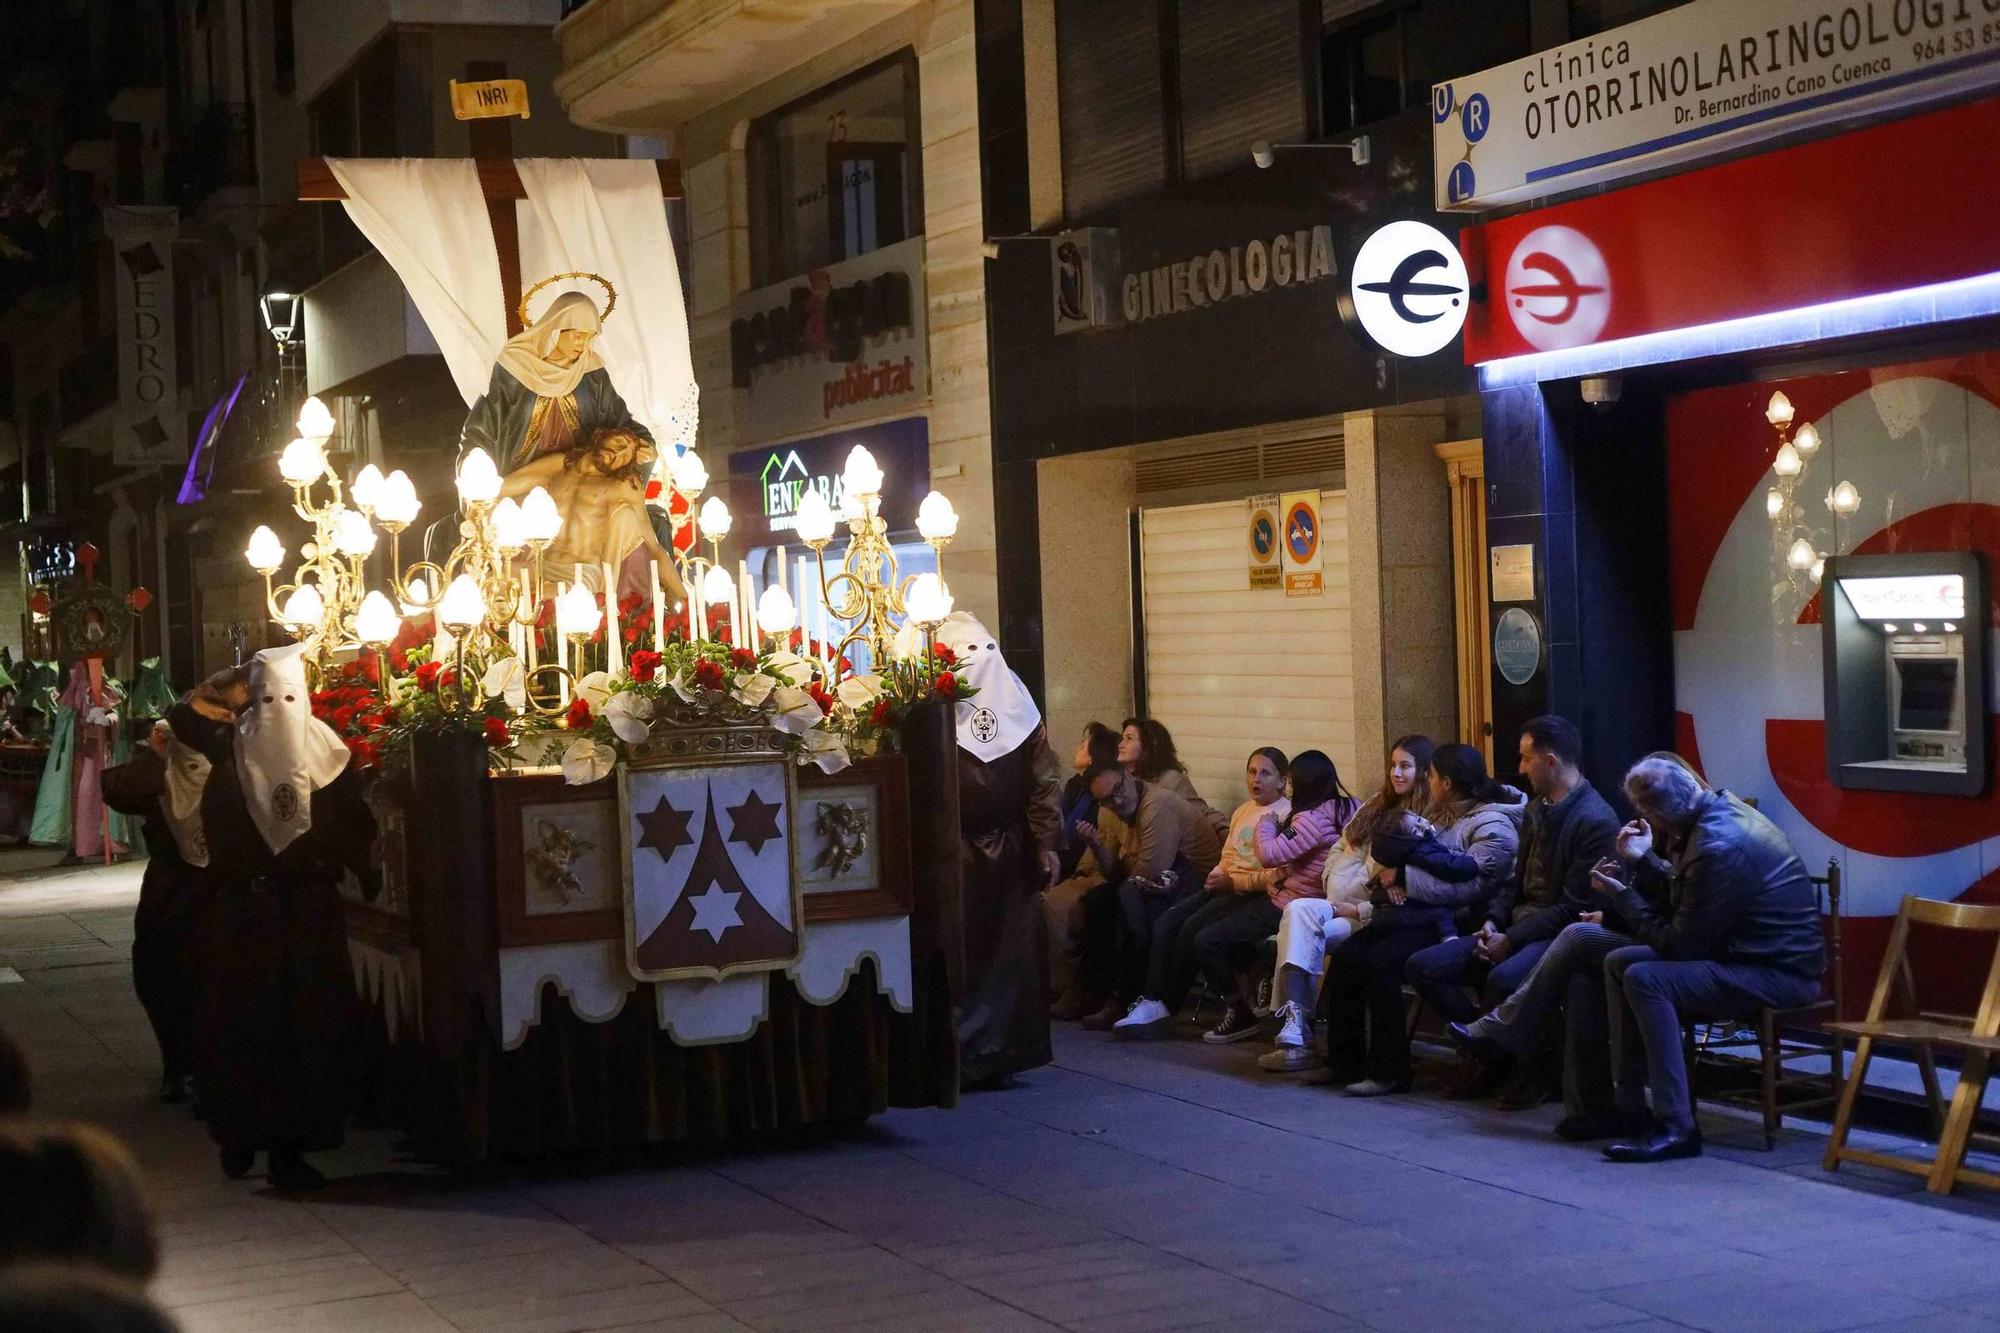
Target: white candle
point(805, 600)
point(781, 572)
point(694, 631)
point(699, 601)
point(747, 598)
point(614, 636)
point(659, 609)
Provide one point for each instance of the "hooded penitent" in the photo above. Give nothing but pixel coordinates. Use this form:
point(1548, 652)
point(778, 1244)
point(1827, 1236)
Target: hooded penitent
point(528, 355)
point(1002, 714)
point(283, 753)
point(187, 778)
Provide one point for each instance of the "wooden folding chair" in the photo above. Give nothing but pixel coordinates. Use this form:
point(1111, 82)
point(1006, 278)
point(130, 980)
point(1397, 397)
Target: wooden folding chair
point(1976, 1038)
point(1774, 1040)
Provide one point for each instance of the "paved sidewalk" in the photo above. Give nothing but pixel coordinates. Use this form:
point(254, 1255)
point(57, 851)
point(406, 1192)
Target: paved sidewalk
point(1131, 1186)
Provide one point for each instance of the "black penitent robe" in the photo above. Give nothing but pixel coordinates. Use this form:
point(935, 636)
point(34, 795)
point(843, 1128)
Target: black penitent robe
point(274, 1025)
point(1009, 813)
point(163, 971)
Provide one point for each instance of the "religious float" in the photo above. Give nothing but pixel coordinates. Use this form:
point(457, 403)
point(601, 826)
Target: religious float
point(655, 862)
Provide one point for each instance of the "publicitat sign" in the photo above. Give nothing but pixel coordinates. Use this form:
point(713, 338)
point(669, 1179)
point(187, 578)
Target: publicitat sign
point(781, 475)
point(843, 343)
point(1692, 81)
point(148, 429)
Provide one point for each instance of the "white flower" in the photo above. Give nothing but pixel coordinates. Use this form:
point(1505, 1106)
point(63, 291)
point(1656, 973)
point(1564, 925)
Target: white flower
point(754, 690)
point(594, 689)
point(796, 711)
point(629, 714)
point(680, 686)
point(857, 692)
point(508, 678)
point(825, 749)
point(587, 761)
point(790, 668)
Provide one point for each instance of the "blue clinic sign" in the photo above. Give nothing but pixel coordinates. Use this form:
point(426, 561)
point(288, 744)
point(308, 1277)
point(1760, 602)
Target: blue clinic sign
point(768, 482)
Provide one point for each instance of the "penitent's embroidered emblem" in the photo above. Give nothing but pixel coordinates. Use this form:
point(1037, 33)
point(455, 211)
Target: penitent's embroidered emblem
point(985, 726)
point(284, 802)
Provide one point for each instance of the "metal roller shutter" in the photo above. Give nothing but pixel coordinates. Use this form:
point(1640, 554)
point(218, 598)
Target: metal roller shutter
point(1242, 78)
point(1228, 669)
point(1114, 144)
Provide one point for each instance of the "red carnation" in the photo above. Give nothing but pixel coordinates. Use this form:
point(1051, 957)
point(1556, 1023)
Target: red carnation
point(946, 685)
point(497, 734)
point(644, 663)
point(944, 654)
point(578, 718)
point(820, 697)
point(883, 713)
point(707, 675)
point(364, 752)
point(427, 674)
point(742, 659)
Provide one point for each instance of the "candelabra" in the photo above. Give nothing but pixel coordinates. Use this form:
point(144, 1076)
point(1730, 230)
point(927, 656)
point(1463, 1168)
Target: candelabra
point(1791, 535)
point(869, 592)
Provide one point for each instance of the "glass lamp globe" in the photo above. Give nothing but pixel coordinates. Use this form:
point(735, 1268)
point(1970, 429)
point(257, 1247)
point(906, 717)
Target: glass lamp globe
point(1779, 410)
point(688, 473)
point(775, 612)
point(928, 601)
point(265, 552)
point(376, 622)
point(510, 526)
point(397, 505)
point(366, 488)
point(1843, 498)
point(315, 422)
point(861, 476)
point(416, 600)
point(814, 520)
point(478, 479)
point(353, 535)
point(302, 462)
point(715, 519)
point(717, 586)
point(1806, 440)
point(577, 612)
point(1787, 463)
point(541, 522)
point(937, 521)
point(1801, 556)
point(463, 606)
point(304, 608)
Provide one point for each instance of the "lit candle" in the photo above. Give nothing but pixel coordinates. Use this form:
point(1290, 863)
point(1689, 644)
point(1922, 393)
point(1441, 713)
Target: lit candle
point(659, 608)
point(805, 601)
point(746, 605)
point(614, 636)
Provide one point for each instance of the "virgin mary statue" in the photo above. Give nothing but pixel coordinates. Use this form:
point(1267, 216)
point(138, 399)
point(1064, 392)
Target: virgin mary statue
point(550, 417)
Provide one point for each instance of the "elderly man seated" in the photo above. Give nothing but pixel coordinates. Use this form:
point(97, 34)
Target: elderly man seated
point(1743, 933)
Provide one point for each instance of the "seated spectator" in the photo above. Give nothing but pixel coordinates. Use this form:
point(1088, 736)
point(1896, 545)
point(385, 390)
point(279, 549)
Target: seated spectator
point(70, 1194)
point(1744, 933)
point(1062, 906)
point(1146, 749)
point(1409, 841)
point(16, 1081)
point(1314, 923)
point(1238, 886)
point(75, 1298)
point(1172, 850)
point(1572, 969)
point(1566, 828)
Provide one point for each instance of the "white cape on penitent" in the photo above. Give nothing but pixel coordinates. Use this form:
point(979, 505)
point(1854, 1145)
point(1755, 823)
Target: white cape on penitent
point(283, 753)
point(1002, 714)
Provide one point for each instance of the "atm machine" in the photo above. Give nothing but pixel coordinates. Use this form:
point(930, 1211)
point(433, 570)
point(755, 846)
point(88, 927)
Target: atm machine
point(1906, 686)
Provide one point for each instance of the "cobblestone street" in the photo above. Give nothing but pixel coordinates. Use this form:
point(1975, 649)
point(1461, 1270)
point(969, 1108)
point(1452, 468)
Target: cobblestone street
point(1130, 1186)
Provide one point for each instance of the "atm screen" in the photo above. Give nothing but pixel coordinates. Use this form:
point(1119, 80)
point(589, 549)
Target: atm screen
point(1929, 690)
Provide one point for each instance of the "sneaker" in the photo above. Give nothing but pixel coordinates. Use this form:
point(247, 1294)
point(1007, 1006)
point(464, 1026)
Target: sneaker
point(1237, 1023)
point(1375, 1087)
point(1293, 1029)
point(1262, 1004)
point(1292, 1060)
point(1102, 1020)
point(1145, 1015)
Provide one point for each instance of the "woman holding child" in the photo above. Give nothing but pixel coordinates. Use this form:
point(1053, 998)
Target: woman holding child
point(1424, 874)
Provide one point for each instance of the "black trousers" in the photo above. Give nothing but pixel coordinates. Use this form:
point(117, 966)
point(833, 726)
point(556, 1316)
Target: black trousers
point(1363, 999)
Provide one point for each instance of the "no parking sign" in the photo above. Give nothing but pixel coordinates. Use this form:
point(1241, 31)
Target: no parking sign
point(1304, 560)
point(1266, 570)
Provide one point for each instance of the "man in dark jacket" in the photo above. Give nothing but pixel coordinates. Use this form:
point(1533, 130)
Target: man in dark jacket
point(1744, 933)
point(1567, 829)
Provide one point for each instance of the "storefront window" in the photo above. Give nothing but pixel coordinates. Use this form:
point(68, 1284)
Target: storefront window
point(837, 174)
point(1379, 60)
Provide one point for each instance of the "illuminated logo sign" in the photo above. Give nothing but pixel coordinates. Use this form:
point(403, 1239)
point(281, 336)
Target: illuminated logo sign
point(1409, 289)
point(822, 320)
point(1907, 597)
point(785, 480)
point(1558, 289)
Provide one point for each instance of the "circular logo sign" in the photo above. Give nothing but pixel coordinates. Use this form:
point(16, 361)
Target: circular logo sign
point(1302, 532)
point(1558, 290)
point(1517, 646)
point(1475, 117)
point(1409, 289)
point(284, 802)
point(985, 726)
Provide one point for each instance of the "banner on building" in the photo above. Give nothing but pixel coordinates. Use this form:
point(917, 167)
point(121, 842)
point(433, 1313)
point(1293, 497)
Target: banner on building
point(1305, 559)
point(148, 427)
point(1693, 81)
point(1266, 560)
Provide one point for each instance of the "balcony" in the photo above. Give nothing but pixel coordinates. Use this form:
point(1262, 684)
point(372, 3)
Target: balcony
point(641, 66)
point(360, 326)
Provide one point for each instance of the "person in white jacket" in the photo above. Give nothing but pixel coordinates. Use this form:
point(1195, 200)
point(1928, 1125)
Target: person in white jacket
point(1311, 926)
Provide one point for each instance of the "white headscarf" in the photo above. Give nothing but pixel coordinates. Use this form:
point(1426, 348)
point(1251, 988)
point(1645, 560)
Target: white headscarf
point(994, 723)
point(527, 354)
point(187, 776)
point(283, 753)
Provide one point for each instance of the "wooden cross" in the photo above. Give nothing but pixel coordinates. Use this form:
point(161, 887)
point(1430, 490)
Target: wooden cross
point(499, 182)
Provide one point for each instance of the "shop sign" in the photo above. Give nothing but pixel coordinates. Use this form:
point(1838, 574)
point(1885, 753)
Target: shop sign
point(781, 475)
point(1266, 555)
point(1285, 260)
point(1305, 560)
point(51, 561)
point(1083, 275)
point(148, 428)
point(1517, 646)
point(843, 343)
point(1674, 255)
point(1408, 292)
point(1693, 81)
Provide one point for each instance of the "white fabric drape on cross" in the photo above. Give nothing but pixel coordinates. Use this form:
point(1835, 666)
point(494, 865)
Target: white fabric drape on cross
point(605, 216)
point(427, 217)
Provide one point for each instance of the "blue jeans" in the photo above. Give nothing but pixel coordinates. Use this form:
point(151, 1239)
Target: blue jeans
point(1442, 972)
